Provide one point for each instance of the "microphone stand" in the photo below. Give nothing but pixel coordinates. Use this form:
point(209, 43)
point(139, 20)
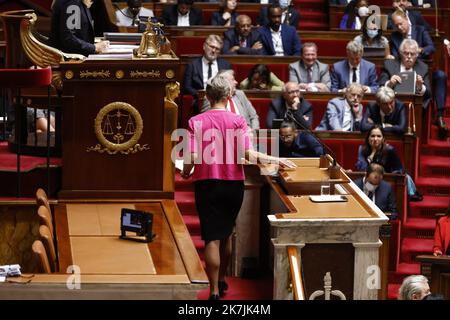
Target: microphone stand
point(334, 168)
point(436, 16)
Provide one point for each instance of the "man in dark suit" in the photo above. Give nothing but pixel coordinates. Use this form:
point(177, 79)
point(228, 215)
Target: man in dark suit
point(297, 144)
point(279, 39)
point(201, 69)
point(378, 190)
point(290, 15)
point(72, 28)
point(354, 69)
point(414, 17)
point(241, 39)
point(290, 104)
point(182, 14)
point(387, 112)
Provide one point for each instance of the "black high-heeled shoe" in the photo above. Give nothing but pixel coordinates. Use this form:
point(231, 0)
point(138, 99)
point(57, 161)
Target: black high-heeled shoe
point(214, 297)
point(223, 286)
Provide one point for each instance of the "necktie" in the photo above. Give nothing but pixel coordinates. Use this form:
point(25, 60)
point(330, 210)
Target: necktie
point(354, 75)
point(370, 195)
point(309, 75)
point(209, 70)
point(232, 108)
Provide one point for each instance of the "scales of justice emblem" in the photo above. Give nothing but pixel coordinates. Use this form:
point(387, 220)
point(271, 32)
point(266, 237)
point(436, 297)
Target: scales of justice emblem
point(118, 127)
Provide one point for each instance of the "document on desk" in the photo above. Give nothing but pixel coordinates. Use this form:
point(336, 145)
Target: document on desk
point(121, 48)
point(122, 56)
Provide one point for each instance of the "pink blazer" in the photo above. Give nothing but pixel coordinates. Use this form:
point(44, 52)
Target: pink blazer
point(442, 235)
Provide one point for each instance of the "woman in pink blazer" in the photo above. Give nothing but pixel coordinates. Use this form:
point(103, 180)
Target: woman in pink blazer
point(442, 235)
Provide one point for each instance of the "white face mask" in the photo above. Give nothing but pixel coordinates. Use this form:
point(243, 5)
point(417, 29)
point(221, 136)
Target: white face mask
point(372, 33)
point(285, 3)
point(363, 11)
point(370, 187)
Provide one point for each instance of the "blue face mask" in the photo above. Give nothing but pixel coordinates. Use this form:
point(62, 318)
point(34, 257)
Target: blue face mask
point(372, 33)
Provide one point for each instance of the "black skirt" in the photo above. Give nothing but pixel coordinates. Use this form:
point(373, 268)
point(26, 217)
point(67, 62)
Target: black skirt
point(218, 203)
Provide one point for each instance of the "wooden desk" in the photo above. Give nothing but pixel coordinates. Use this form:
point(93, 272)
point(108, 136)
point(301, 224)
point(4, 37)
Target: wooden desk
point(341, 238)
point(170, 267)
point(437, 269)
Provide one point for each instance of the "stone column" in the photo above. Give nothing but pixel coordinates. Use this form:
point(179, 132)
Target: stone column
point(366, 265)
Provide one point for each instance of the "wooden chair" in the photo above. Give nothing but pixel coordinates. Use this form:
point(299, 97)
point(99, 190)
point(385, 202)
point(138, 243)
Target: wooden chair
point(47, 239)
point(45, 218)
point(42, 199)
point(41, 256)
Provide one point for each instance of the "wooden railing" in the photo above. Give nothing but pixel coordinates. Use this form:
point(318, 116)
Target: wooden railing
point(296, 274)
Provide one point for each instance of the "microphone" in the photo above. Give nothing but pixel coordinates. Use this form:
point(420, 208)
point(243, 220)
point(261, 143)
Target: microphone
point(334, 168)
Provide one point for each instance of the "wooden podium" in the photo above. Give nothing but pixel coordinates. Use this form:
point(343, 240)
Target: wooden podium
point(437, 269)
point(118, 116)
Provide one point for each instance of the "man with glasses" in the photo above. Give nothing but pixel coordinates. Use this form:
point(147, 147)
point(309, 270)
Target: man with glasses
point(297, 143)
point(289, 106)
point(241, 39)
point(201, 69)
point(344, 113)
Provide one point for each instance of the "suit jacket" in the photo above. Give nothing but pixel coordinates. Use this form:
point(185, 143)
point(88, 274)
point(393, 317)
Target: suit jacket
point(304, 145)
point(278, 110)
point(384, 197)
point(217, 20)
point(341, 73)
point(231, 39)
point(333, 119)
point(398, 118)
point(72, 40)
point(170, 16)
point(419, 34)
point(289, 37)
point(415, 3)
point(416, 20)
point(338, 2)
point(244, 106)
point(294, 17)
point(320, 73)
point(193, 77)
point(442, 235)
point(391, 162)
point(391, 67)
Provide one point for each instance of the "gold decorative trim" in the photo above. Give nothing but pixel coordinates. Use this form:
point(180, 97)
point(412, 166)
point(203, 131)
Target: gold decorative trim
point(69, 74)
point(170, 74)
point(104, 129)
point(145, 74)
point(95, 74)
point(172, 91)
point(120, 74)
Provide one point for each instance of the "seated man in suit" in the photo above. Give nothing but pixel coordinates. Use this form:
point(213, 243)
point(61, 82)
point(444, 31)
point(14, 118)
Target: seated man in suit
point(309, 72)
point(279, 39)
point(297, 144)
point(69, 36)
point(289, 16)
point(387, 112)
point(241, 39)
point(414, 17)
point(201, 69)
point(291, 105)
point(237, 102)
point(130, 15)
point(354, 69)
point(403, 30)
point(378, 190)
point(182, 14)
point(344, 114)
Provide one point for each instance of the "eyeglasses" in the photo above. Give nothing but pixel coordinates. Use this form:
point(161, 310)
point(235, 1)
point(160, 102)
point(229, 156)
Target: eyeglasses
point(409, 54)
point(213, 47)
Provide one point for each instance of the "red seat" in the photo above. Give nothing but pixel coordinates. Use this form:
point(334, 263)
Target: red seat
point(189, 45)
point(261, 106)
point(281, 70)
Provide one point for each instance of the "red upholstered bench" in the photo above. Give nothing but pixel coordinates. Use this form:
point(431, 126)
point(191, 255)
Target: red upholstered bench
point(281, 70)
point(261, 106)
point(188, 45)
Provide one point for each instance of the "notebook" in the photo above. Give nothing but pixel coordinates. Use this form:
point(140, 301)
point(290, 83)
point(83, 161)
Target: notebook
point(408, 84)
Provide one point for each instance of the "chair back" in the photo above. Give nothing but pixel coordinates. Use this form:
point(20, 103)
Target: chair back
point(45, 218)
point(39, 253)
point(42, 199)
point(47, 239)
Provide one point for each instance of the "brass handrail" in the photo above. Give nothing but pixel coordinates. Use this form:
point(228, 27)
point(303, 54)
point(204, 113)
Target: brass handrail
point(296, 273)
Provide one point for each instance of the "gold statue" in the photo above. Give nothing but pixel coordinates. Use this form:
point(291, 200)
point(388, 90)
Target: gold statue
point(172, 91)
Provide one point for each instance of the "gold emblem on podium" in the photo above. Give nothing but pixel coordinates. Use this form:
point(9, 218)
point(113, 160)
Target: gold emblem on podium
point(118, 127)
point(69, 74)
point(120, 74)
point(170, 74)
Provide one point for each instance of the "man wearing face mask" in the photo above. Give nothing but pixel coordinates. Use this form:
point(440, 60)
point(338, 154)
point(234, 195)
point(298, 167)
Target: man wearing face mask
point(130, 15)
point(344, 113)
point(378, 190)
point(241, 39)
point(289, 16)
point(290, 105)
point(386, 112)
point(279, 39)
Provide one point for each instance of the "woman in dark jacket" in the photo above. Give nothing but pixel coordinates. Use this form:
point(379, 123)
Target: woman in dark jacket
point(226, 16)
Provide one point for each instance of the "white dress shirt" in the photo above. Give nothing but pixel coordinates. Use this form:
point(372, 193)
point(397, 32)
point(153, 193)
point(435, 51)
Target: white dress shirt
point(350, 79)
point(347, 122)
point(214, 69)
point(235, 106)
point(183, 20)
point(124, 18)
point(277, 42)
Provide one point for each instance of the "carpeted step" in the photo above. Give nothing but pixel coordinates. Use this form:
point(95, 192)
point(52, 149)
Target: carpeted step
point(186, 202)
point(412, 247)
point(434, 129)
point(183, 184)
point(436, 147)
point(393, 291)
point(434, 166)
point(428, 207)
point(192, 222)
point(403, 270)
point(419, 228)
point(434, 185)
